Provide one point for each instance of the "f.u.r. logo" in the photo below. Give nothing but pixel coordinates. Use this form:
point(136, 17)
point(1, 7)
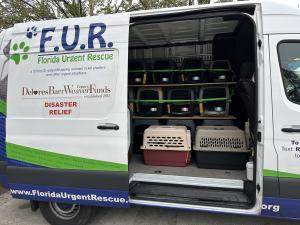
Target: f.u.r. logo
point(95, 35)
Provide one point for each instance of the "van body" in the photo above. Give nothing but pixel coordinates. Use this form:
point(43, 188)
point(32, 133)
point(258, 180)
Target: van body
point(68, 139)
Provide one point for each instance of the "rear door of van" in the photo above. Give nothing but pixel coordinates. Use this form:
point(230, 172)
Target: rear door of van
point(67, 120)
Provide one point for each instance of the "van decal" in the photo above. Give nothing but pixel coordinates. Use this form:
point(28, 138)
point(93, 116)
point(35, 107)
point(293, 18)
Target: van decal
point(31, 32)
point(96, 197)
point(59, 161)
point(95, 34)
point(75, 57)
point(69, 40)
point(2, 137)
point(274, 173)
point(280, 207)
point(3, 107)
point(17, 57)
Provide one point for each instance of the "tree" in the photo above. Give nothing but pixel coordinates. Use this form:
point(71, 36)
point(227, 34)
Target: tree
point(18, 11)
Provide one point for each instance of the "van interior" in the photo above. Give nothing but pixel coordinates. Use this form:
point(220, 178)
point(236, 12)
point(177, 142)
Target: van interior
point(192, 97)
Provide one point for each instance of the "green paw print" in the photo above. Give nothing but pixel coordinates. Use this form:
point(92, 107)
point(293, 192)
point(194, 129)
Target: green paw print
point(16, 57)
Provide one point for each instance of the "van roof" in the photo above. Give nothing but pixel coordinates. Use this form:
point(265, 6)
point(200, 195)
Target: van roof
point(279, 16)
point(269, 7)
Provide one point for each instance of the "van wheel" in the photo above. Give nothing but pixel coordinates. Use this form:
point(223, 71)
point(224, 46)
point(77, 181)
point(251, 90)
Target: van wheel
point(66, 214)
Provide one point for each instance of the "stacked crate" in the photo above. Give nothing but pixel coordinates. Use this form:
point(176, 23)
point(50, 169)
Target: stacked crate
point(181, 102)
point(214, 100)
point(192, 71)
point(150, 101)
point(137, 73)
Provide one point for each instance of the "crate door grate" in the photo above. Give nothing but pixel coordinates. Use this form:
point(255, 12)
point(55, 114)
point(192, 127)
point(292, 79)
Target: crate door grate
point(233, 143)
point(164, 141)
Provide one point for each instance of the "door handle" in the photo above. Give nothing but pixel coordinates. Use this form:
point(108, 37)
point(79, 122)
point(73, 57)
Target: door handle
point(291, 130)
point(108, 126)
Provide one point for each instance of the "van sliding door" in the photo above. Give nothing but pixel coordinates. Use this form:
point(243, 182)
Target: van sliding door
point(67, 124)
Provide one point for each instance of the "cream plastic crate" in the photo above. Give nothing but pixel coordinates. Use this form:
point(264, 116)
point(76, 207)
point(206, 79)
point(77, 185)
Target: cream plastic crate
point(169, 138)
point(220, 139)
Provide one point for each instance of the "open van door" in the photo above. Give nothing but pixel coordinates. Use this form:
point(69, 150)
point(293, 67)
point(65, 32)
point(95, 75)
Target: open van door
point(67, 120)
point(285, 80)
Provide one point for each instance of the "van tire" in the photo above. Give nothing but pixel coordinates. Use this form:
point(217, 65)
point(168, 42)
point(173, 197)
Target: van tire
point(66, 214)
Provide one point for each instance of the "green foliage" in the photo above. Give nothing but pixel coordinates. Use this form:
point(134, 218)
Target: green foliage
point(18, 11)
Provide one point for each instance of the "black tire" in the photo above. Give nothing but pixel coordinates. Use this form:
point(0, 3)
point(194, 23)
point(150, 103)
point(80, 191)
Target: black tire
point(66, 214)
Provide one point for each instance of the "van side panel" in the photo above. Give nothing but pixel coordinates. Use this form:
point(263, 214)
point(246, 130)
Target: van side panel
point(4, 45)
point(66, 82)
point(3, 179)
point(281, 168)
point(2, 128)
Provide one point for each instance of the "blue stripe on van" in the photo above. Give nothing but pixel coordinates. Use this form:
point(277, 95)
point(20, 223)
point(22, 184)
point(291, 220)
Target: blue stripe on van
point(281, 207)
point(2, 137)
point(12, 162)
point(3, 177)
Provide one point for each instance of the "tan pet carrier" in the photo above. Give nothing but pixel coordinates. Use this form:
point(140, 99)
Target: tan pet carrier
point(167, 145)
point(221, 147)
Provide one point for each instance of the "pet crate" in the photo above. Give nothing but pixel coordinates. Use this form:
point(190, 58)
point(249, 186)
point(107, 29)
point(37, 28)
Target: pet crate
point(139, 126)
point(220, 71)
point(192, 71)
point(181, 102)
point(149, 101)
point(167, 146)
point(163, 72)
point(137, 74)
point(214, 101)
point(221, 147)
point(189, 124)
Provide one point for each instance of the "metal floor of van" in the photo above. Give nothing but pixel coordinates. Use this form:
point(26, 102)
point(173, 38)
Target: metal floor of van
point(189, 195)
point(137, 165)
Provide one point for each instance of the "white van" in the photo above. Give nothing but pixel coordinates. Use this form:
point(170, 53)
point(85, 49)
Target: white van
point(188, 108)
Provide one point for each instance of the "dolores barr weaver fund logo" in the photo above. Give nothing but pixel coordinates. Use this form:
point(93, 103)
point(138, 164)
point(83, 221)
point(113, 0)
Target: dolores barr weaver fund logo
point(91, 90)
point(69, 40)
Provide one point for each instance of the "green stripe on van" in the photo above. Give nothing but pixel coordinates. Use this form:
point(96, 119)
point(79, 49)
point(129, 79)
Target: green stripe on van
point(2, 107)
point(273, 173)
point(59, 161)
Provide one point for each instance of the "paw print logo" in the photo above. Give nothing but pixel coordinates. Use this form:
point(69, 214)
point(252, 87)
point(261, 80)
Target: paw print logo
point(31, 32)
point(17, 57)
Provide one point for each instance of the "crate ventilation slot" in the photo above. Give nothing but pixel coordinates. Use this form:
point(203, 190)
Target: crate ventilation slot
point(167, 142)
point(233, 143)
